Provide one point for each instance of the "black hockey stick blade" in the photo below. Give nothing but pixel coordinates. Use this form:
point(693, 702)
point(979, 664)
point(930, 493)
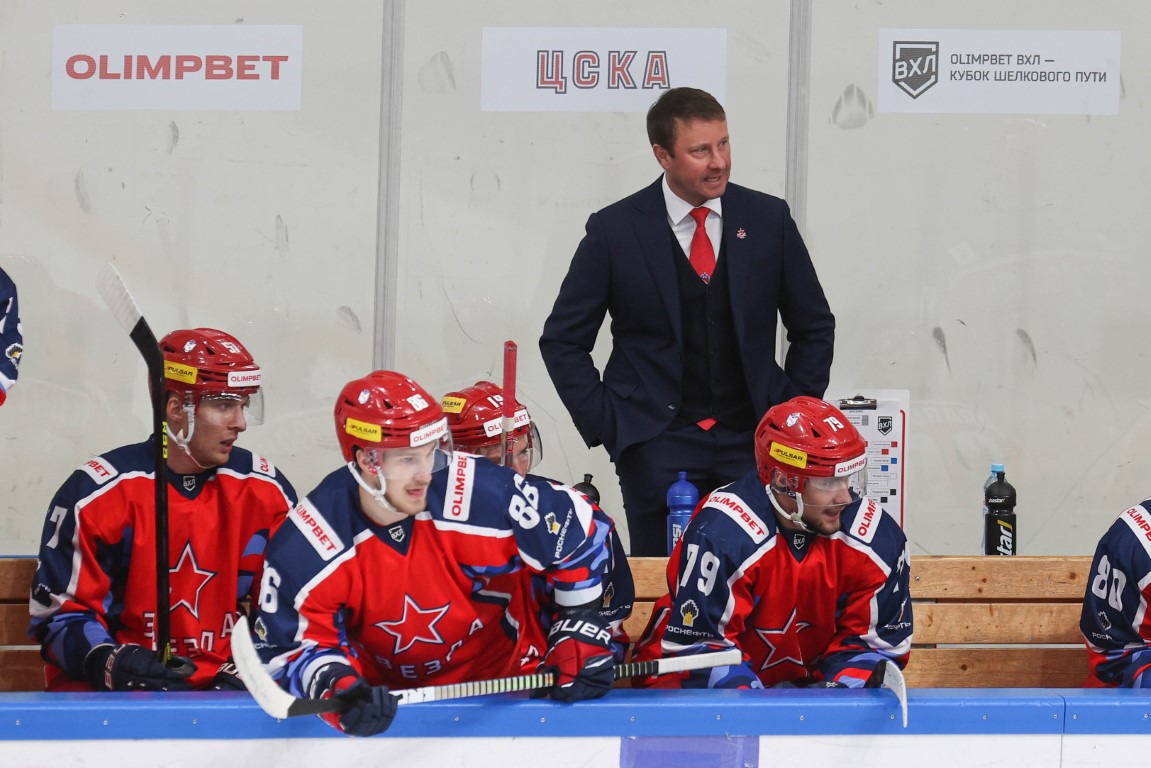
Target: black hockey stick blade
point(115, 294)
point(280, 704)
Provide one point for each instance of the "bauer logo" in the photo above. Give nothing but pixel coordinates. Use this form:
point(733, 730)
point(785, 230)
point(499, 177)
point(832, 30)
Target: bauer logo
point(915, 66)
point(791, 456)
point(363, 430)
point(179, 372)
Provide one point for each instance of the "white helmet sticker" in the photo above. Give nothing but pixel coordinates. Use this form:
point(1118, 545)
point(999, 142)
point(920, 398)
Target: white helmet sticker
point(851, 466)
point(244, 378)
point(430, 433)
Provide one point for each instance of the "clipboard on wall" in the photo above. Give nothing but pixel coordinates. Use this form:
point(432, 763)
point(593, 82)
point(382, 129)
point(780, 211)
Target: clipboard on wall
point(881, 417)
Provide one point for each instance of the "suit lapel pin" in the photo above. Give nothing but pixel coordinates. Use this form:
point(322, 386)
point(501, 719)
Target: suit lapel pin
point(741, 233)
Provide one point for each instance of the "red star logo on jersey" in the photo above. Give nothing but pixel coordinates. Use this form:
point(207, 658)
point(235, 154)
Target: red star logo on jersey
point(186, 580)
point(775, 656)
point(416, 626)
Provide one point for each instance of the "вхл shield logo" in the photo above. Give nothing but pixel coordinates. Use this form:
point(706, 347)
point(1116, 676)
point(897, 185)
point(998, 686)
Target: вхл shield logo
point(885, 424)
point(915, 66)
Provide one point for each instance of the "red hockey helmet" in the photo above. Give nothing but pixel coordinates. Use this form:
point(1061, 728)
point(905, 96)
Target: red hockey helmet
point(807, 438)
point(388, 410)
point(204, 362)
point(475, 416)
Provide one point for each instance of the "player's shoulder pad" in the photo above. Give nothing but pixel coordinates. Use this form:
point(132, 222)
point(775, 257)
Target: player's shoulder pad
point(324, 517)
point(100, 469)
point(869, 523)
point(734, 514)
point(1133, 525)
point(461, 483)
point(243, 461)
point(103, 469)
point(317, 530)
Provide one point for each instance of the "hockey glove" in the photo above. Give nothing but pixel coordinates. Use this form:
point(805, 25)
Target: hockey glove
point(579, 653)
point(370, 710)
point(228, 678)
point(133, 668)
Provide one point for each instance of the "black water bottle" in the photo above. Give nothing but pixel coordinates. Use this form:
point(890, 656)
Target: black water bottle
point(587, 489)
point(1000, 534)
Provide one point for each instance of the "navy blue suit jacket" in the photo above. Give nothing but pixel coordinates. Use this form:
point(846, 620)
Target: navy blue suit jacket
point(623, 267)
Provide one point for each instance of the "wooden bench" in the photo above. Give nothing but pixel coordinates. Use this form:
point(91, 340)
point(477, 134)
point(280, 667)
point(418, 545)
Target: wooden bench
point(21, 668)
point(980, 622)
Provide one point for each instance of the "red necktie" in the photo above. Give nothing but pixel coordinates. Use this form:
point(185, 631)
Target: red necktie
point(702, 255)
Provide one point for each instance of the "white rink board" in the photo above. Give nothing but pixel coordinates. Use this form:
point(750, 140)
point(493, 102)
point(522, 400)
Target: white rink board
point(1009, 751)
point(947, 728)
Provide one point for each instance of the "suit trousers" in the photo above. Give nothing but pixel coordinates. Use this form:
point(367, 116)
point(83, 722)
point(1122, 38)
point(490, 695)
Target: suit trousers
point(711, 458)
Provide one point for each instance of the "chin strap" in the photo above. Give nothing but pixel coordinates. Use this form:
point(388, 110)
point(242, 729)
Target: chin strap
point(180, 438)
point(795, 517)
point(375, 493)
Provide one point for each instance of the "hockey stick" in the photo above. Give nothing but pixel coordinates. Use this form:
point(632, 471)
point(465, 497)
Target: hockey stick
point(893, 680)
point(115, 294)
point(280, 704)
point(888, 675)
point(509, 406)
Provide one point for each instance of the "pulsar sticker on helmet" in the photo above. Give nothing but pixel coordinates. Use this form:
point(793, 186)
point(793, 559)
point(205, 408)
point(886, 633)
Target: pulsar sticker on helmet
point(180, 372)
point(453, 404)
point(363, 430)
point(787, 455)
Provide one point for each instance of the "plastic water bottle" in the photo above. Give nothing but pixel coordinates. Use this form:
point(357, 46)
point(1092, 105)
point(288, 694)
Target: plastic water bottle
point(995, 469)
point(1000, 534)
point(682, 496)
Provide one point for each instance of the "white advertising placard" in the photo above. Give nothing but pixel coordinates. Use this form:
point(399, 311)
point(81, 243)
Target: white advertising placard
point(596, 69)
point(192, 66)
point(999, 71)
point(881, 418)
